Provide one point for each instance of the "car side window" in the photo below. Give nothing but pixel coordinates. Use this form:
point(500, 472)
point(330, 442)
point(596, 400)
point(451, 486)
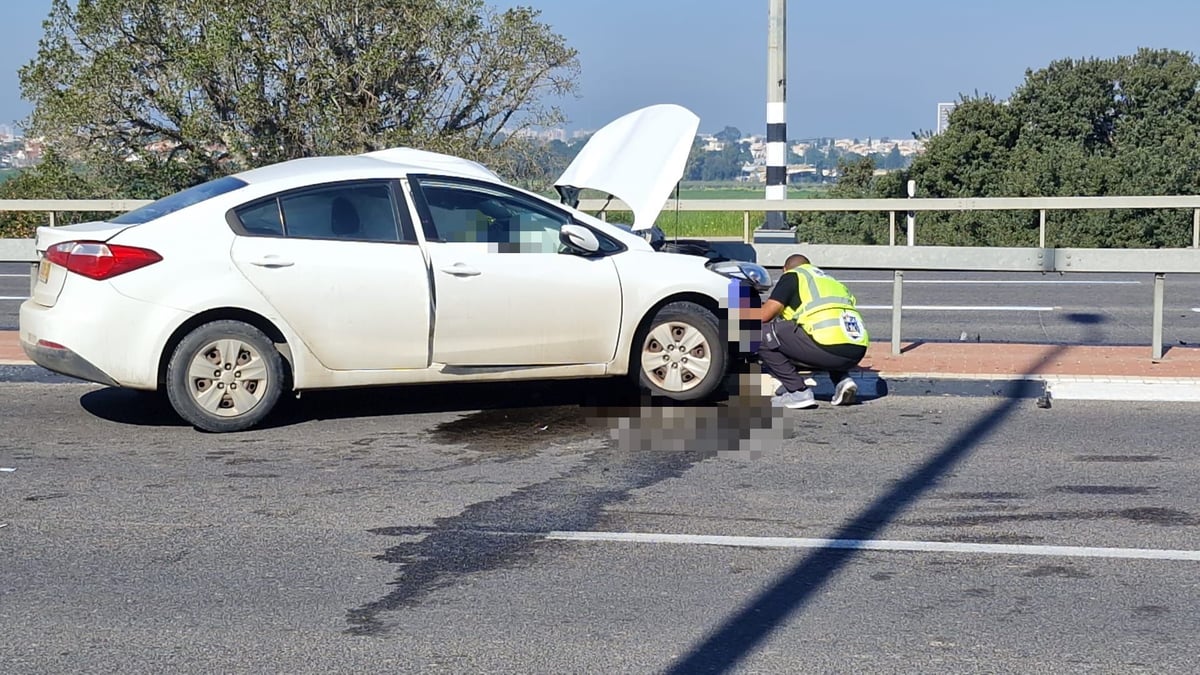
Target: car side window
point(357, 212)
point(262, 219)
point(363, 211)
point(471, 213)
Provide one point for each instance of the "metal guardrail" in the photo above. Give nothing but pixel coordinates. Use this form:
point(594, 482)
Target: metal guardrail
point(896, 259)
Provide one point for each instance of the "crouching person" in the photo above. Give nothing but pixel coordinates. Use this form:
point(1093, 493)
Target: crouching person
point(810, 319)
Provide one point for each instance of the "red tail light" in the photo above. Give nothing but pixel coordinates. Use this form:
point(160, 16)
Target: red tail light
point(100, 261)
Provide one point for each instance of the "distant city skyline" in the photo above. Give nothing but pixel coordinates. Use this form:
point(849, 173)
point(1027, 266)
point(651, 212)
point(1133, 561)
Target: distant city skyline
point(870, 69)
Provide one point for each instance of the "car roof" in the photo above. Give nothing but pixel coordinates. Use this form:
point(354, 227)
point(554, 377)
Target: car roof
point(390, 162)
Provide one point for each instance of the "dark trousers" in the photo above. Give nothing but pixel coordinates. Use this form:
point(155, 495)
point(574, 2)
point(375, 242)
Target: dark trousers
point(784, 343)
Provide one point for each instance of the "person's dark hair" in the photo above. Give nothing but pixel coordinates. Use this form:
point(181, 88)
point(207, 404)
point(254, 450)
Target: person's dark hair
point(795, 260)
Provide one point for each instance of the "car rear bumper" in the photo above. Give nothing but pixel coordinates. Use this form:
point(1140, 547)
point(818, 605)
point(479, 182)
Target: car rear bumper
point(66, 362)
point(96, 334)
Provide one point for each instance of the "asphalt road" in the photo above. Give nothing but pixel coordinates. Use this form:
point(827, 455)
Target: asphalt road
point(1111, 309)
point(406, 531)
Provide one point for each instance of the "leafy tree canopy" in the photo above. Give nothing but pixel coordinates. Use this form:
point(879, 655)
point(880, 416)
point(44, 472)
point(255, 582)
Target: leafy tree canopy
point(1123, 126)
point(161, 95)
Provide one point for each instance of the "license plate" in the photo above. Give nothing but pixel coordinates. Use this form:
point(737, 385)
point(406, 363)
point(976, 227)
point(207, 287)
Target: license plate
point(44, 271)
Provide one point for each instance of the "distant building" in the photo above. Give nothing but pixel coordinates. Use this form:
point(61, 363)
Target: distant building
point(943, 115)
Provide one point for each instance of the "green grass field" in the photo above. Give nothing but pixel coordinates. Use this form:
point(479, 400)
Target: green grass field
point(755, 192)
point(700, 224)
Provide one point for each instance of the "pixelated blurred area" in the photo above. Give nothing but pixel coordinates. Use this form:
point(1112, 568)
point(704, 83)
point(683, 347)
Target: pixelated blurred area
point(743, 426)
point(741, 322)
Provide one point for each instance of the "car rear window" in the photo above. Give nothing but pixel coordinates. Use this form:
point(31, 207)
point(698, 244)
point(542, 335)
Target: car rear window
point(180, 200)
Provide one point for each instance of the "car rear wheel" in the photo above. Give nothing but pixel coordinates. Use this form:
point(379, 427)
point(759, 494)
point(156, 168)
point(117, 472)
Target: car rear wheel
point(224, 376)
point(681, 355)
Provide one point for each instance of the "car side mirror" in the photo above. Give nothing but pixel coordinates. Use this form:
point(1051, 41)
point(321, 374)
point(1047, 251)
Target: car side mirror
point(578, 239)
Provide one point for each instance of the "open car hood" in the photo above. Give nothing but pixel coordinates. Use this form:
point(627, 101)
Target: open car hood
point(638, 158)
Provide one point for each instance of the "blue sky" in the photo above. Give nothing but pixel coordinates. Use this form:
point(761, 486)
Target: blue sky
point(855, 69)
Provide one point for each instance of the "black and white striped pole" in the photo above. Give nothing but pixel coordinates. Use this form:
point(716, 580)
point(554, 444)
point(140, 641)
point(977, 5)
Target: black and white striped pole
point(776, 227)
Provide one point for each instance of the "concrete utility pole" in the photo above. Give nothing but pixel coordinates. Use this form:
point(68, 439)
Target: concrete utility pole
point(776, 114)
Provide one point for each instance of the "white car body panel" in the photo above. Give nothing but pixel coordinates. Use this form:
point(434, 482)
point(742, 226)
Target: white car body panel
point(649, 278)
point(522, 308)
point(639, 158)
point(121, 335)
point(358, 305)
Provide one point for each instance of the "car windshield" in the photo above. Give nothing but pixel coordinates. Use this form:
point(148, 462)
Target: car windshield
point(179, 200)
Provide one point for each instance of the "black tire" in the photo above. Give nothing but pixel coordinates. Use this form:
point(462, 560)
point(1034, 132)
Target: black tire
point(216, 403)
point(685, 334)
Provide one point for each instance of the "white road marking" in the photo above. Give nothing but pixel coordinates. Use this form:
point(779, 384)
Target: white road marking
point(14, 297)
point(15, 276)
point(989, 283)
point(1196, 309)
point(879, 545)
point(965, 308)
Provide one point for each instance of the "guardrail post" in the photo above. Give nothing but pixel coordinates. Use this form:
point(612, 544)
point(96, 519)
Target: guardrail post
point(1042, 230)
point(892, 226)
point(52, 223)
point(1196, 229)
point(897, 304)
point(746, 227)
point(1159, 288)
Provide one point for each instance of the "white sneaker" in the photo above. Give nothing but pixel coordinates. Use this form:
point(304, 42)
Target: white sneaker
point(808, 382)
point(845, 393)
point(795, 399)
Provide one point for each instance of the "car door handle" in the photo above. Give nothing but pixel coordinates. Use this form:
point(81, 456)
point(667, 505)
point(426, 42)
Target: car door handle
point(461, 270)
point(272, 261)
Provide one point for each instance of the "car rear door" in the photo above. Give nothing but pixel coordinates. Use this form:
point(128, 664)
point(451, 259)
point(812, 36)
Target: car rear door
point(341, 265)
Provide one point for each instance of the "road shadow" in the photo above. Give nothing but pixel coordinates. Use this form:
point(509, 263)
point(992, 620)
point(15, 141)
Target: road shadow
point(126, 406)
point(735, 420)
point(738, 635)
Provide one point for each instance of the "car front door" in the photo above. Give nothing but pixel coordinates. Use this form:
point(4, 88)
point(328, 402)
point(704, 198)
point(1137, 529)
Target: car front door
point(341, 265)
point(505, 294)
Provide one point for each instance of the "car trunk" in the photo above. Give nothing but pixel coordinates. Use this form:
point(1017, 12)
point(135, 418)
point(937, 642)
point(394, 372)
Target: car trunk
point(49, 279)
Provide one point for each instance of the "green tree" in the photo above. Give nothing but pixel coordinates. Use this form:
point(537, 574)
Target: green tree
point(856, 180)
point(1123, 126)
point(156, 96)
point(729, 135)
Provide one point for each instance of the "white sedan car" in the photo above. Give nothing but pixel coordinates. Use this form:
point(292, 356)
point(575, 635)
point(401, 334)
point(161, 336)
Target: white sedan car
point(393, 267)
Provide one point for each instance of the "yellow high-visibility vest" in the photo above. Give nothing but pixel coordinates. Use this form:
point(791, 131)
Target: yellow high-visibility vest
point(827, 309)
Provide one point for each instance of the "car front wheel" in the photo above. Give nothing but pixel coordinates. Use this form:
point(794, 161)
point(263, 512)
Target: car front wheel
point(224, 376)
point(681, 353)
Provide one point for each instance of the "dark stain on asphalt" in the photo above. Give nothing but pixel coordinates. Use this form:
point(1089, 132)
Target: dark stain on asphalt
point(1150, 611)
point(1127, 490)
point(982, 495)
point(252, 475)
point(234, 461)
point(46, 497)
point(882, 576)
point(1152, 515)
point(496, 534)
point(1158, 516)
point(999, 538)
point(514, 433)
point(1065, 571)
point(1117, 458)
